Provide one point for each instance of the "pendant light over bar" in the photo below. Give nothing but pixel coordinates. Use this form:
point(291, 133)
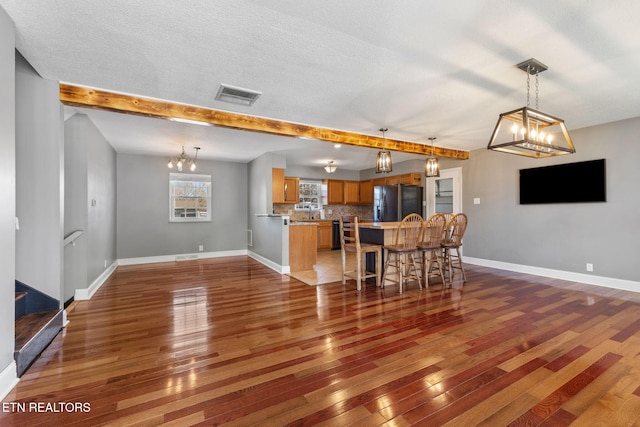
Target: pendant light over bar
point(529, 132)
point(383, 160)
point(431, 166)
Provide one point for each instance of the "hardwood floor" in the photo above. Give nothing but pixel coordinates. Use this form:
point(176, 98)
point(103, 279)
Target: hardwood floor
point(228, 341)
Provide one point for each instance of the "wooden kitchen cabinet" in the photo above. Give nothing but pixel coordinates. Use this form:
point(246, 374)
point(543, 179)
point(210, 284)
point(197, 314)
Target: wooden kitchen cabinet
point(303, 243)
point(325, 235)
point(335, 192)
point(393, 180)
point(410, 179)
point(379, 181)
point(366, 192)
point(406, 179)
point(277, 185)
point(361, 192)
point(291, 190)
point(351, 192)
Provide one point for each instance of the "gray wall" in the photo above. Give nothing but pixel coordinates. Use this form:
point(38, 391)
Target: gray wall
point(7, 189)
point(75, 206)
point(143, 227)
point(101, 194)
point(268, 234)
point(39, 180)
point(564, 236)
point(90, 172)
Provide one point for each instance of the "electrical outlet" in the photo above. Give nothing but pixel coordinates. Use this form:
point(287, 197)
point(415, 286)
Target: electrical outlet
point(201, 248)
point(589, 267)
point(476, 200)
point(105, 263)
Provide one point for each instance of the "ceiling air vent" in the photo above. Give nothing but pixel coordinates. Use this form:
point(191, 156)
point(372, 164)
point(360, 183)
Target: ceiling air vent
point(237, 95)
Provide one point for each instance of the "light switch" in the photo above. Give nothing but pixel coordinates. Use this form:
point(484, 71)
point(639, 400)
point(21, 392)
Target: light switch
point(476, 200)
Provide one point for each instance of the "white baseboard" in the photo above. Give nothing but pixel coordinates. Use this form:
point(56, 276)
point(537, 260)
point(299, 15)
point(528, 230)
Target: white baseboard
point(87, 293)
point(272, 265)
point(180, 257)
point(590, 279)
point(8, 379)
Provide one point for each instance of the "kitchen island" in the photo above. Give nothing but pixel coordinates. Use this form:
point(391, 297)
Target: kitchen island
point(380, 233)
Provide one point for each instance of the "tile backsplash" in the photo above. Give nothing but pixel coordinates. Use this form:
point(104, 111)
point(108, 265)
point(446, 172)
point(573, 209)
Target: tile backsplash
point(364, 212)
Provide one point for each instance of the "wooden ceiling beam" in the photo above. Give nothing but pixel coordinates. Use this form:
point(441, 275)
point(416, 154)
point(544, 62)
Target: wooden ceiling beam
point(78, 96)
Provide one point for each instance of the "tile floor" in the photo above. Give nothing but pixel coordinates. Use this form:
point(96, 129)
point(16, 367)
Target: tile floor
point(328, 269)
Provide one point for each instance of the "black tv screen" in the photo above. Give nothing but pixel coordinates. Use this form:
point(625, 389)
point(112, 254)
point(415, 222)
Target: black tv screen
point(567, 183)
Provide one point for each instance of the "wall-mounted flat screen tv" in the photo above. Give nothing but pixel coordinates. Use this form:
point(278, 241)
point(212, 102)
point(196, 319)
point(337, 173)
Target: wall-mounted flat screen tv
point(567, 183)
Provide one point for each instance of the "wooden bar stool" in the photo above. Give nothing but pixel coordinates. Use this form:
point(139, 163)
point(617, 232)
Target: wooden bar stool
point(401, 255)
point(446, 232)
point(453, 261)
point(350, 242)
point(430, 247)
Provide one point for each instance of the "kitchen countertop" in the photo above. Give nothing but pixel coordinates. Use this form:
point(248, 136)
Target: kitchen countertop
point(380, 225)
point(302, 223)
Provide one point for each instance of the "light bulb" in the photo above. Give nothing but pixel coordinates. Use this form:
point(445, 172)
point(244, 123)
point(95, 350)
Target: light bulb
point(193, 167)
point(170, 164)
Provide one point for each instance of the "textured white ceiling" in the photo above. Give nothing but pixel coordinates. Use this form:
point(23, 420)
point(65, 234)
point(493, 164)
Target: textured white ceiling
point(420, 68)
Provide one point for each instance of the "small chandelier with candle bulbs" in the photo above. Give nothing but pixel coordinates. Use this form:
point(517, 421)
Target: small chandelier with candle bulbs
point(183, 160)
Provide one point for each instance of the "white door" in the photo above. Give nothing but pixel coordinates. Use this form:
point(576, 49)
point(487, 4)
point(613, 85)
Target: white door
point(444, 193)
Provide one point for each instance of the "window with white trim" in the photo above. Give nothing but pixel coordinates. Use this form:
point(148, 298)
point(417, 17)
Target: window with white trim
point(311, 195)
point(189, 197)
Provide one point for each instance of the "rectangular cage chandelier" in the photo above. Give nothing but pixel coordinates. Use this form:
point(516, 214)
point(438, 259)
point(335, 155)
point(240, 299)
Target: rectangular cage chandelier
point(529, 132)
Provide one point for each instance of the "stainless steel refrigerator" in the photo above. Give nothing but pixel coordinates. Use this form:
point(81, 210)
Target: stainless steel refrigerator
point(394, 202)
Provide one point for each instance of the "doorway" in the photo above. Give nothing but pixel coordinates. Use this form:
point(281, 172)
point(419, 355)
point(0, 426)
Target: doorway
point(444, 193)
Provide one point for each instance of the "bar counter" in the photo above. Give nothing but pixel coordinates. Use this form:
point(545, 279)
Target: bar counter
point(381, 233)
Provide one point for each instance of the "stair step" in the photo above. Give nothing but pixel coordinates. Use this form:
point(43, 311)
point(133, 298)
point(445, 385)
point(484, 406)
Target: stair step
point(34, 332)
point(30, 324)
point(20, 295)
